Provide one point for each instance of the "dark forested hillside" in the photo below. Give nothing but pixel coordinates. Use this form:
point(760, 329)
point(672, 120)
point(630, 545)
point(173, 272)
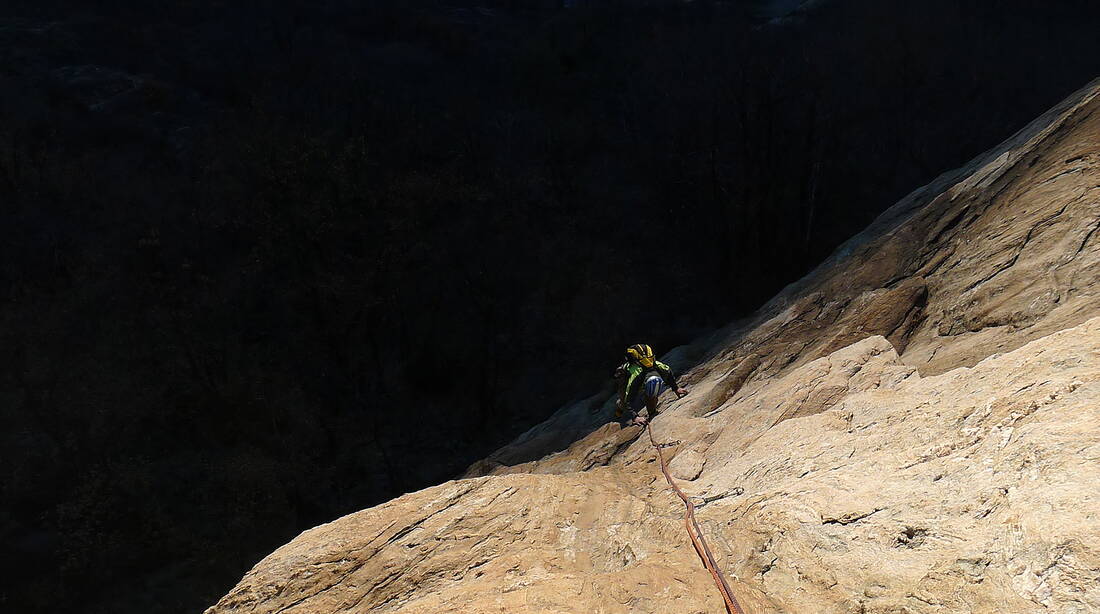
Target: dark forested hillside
point(262, 264)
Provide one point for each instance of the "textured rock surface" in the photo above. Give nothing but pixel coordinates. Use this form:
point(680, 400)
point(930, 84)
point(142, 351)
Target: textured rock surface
point(914, 427)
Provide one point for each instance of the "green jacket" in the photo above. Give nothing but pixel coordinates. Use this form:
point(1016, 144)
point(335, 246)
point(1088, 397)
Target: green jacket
point(631, 377)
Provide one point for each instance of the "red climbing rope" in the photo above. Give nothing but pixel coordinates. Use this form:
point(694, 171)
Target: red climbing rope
point(696, 535)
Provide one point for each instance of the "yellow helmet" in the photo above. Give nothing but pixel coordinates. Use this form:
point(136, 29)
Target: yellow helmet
point(642, 354)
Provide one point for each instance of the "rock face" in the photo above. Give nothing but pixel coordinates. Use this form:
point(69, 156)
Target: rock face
point(914, 427)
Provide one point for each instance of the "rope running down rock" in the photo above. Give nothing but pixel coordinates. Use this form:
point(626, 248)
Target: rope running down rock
point(696, 535)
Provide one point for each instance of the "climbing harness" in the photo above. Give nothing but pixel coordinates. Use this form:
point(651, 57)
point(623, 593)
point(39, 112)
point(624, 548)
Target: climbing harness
point(696, 535)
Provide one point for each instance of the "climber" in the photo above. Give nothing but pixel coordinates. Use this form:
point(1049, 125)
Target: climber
point(641, 379)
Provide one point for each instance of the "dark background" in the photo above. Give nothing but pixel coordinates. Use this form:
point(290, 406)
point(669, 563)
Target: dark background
point(266, 263)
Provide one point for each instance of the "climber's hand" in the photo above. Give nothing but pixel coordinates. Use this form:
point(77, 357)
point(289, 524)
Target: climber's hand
point(681, 393)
